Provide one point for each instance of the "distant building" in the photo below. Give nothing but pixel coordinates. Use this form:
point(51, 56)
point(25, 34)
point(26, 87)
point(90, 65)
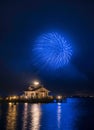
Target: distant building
point(36, 91)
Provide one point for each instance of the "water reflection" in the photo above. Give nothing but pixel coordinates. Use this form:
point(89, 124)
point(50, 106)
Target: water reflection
point(0, 110)
point(72, 115)
point(31, 116)
point(59, 114)
point(35, 116)
point(25, 116)
point(11, 117)
point(0, 113)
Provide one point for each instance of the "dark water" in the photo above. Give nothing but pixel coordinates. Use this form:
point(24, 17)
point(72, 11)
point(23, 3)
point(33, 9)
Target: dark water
point(75, 114)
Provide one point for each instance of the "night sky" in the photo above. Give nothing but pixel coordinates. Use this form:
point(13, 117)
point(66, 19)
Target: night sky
point(21, 22)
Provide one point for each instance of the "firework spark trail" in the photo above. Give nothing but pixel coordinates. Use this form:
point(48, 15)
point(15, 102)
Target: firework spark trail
point(52, 50)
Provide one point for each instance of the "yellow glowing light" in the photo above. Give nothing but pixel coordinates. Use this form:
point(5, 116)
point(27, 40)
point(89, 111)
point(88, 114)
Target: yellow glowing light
point(35, 116)
point(10, 103)
point(59, 97)
point(11, 118)
point(12, 97)
point(36, 83)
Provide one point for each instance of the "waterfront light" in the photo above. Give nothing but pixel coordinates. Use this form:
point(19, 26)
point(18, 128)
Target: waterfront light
point(36, 83)
point(12, 97)
point(10, 103)
point(59, 97)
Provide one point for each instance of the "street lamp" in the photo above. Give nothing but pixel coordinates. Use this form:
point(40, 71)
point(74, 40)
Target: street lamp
point(59, 97)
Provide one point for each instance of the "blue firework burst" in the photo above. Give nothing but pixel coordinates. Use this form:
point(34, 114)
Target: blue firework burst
point(52, 50)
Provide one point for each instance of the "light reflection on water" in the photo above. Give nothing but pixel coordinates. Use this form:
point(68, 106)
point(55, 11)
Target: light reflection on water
point(75, 114)
point(11, 117)
point(0, 110)
point(59, 114)
point(31, 116)
point(35, 116)
point(25, 116)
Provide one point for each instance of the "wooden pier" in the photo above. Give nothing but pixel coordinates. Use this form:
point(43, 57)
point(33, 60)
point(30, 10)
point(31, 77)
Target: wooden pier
point(45, 100)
